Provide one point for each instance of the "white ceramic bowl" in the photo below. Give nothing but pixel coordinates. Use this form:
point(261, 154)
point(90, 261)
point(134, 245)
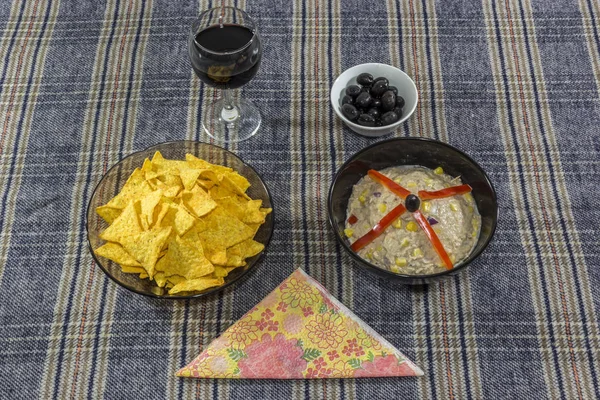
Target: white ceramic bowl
point(406, 89)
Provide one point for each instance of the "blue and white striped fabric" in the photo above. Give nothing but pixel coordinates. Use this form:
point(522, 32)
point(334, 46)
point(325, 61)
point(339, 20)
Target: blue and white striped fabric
point(514, 83)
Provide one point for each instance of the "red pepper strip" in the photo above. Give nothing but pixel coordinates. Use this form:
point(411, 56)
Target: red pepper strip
point(379, 228)
point(433, 238)
point(352, 220)
point(448, 192)
point(388, 183)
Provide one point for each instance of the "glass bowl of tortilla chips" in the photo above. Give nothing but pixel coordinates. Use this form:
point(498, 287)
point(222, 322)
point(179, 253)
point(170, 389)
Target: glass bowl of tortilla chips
point(179, 220)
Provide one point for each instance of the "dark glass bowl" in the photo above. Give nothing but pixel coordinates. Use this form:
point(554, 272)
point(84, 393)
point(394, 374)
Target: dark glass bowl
point(112, 182)
point(413, 151)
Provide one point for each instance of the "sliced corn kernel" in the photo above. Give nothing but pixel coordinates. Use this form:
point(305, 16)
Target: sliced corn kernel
point(401, 261)
point(397, 223)
point(412, 226)
point(438, 171)
point(417, 252)
point(370, 254)
point(382, 208)
point(366, 226)
point(395, 269)
point(470, 208)
point(474, 234)
point(349, 232)
point(405, 242)
point(411, 184)
point(398, 180)
point(453, 207)
point(428, 181)
point(426, 206)
point(452, 258)
point(362, 198)
point(379, 248)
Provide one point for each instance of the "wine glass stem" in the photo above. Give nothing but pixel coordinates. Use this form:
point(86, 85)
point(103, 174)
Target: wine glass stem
point(229, 113)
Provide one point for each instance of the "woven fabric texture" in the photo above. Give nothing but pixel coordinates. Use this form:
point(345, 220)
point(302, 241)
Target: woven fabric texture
point(513, 83)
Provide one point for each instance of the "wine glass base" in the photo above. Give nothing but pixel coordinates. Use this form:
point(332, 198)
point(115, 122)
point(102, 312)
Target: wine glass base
point(227, 126)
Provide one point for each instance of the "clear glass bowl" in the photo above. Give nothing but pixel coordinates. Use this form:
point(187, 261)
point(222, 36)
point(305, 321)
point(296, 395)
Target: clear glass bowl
point(413, 151)
point(112, 182)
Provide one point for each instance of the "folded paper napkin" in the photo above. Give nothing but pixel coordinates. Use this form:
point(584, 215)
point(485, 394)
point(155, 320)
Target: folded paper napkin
point(299, 331)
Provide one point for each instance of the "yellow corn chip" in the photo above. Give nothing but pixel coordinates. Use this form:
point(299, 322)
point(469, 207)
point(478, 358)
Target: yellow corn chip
point(109, 214)
point(146, 246)
point(147, 167)
point(117, 253)
point(223, 230)
point(171, 180)
point(159, 213)
point(179, 219)
point(238, 180)
point(198, 284)
point(188, 177)
point(143, 275)
point(220, 272)
point(253, 214)
point(132, 270)
point(125, 225)
point(198, 163)
point(148, 204)
point(210, 175)
point(228, 184)
point(135, 188)
point(164, 166)
point(185, 259)
point(160, 279)
point(234, 205)
point(198, 203)
point(251, 247)
point(175, 279)
point(205, 183)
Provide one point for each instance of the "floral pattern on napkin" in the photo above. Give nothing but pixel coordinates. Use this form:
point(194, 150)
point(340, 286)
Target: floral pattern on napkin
point(299, 331)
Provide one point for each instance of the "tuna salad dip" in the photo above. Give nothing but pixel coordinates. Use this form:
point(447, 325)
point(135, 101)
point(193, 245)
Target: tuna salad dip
point(404, 245)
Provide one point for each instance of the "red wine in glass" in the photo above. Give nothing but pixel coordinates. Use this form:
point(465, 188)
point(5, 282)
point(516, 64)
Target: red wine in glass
point(225, 52)
point(220, 64)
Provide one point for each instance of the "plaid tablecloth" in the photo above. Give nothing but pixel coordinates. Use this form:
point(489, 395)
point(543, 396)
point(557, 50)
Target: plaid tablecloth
point(514, 83)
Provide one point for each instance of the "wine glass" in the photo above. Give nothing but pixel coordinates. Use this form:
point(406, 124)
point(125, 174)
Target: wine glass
point(225, 52)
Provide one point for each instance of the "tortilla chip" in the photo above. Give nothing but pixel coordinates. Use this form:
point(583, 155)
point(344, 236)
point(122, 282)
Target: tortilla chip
point(146, 246)
point(198, 163)
point(188, 177)
point(160, 279)
point(238, 180)
point(117, 253)
point(148, 204)
point(205, 183)
point(159, 213)
point(198, 284)
point(220, 272)
point(175, 279)
point(171, 180)
point(126, 224)
point(198, 203)
point(179, 219)
point(234, 205)
point(132, 270)
point(223, 230)
point(164, 166)
point(109, 214)
point(251, 247)
point(253, 214)
point(210, 175)
point(135, 188)
point(143, 275)
point(228, 184)
point(185, 258)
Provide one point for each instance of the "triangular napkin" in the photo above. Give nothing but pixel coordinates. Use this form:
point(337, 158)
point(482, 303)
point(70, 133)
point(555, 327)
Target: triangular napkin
point(299, 331)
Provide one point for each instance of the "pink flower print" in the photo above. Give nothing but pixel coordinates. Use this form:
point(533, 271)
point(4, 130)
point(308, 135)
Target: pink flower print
point(333, 355)
point(384, 366)
point(267, 314)
point(262, 324)
point(324, 373)
point(359, 352)
point(273, 326)
point(273, 358)
point(347, 351)
point(282, 306)
point(307, 311)
point(320, 363)
point(312, 373)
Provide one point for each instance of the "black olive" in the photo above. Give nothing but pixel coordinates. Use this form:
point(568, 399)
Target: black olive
point(347, 99)
point(374, 112)
point(363, 100)
point(412, 203)
point(398, 112)
point(382, 78)
point(378, 123)
point(378, 88)
point(388, 100)
point(353, 90)
point(376, 103)
point(389, 118)
point(349, 111)
point(365, 89)
point(399, 101)
point(393, 89)
point(365, 79)
point(365, 120)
